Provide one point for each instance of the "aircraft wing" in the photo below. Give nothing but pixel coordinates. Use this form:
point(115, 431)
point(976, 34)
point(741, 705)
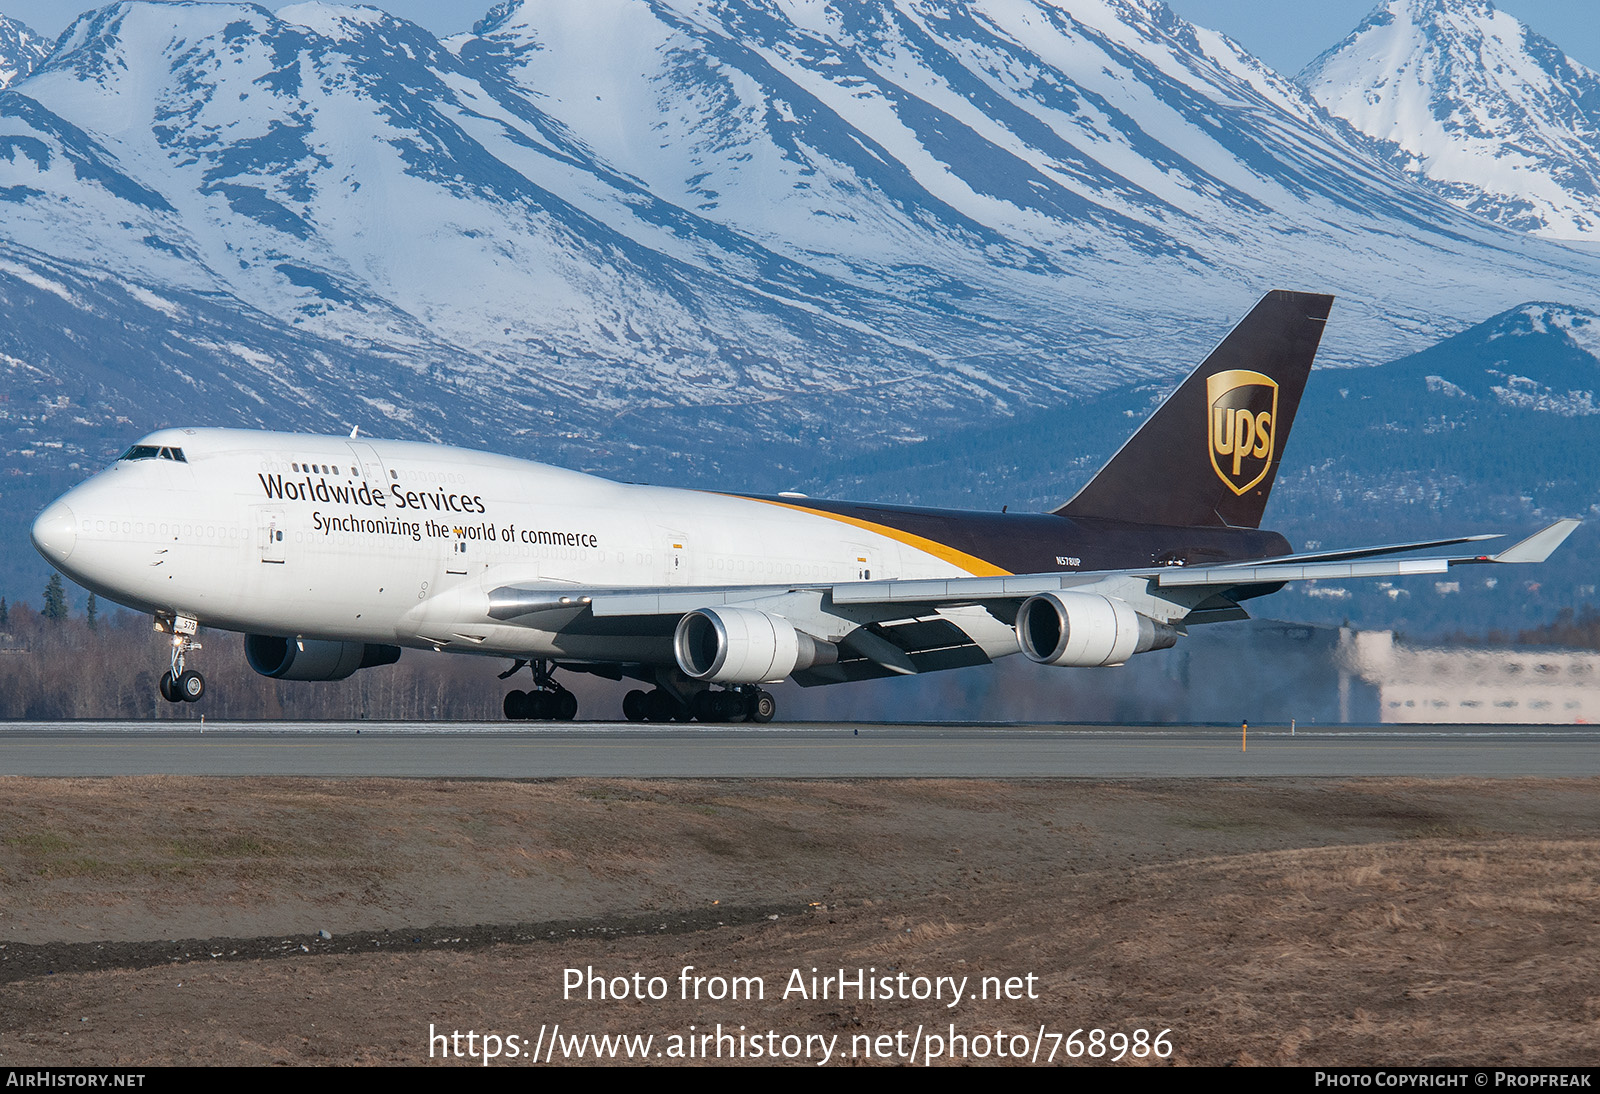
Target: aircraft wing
point(1353, 563)
point(903, 627)
point(1359, 563)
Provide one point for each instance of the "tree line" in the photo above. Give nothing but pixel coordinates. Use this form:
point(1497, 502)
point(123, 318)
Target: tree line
point(59, 664)
point(55, 664)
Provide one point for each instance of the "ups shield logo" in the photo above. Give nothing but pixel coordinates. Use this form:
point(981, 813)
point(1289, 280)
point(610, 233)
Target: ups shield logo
point(1243, 411)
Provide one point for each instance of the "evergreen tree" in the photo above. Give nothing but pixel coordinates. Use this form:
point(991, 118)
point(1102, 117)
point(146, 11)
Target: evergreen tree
point(89, 610)
point(55, 600)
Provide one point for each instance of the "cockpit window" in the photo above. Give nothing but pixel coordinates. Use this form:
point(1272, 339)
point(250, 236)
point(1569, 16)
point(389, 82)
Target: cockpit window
point(153, 452)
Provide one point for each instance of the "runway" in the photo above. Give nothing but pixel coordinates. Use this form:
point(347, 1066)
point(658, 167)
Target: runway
point(812, 751)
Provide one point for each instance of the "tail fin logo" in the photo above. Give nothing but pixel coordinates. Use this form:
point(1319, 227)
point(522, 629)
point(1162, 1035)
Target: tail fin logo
point(1242, 431)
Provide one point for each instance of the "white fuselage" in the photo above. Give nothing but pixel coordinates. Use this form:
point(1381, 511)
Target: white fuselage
point(402, 543)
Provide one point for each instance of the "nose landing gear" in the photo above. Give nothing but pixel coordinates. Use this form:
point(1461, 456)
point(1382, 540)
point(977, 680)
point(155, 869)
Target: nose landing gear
point(180, 684)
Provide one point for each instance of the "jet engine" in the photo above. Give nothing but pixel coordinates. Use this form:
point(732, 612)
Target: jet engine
point(1085, 629)
point(745, 646)
point(313, 659)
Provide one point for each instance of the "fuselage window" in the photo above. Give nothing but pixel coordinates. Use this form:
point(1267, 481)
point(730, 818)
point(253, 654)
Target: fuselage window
point(141, 452)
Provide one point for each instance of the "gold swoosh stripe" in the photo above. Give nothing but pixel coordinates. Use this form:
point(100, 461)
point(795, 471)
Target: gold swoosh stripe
point(974, 565)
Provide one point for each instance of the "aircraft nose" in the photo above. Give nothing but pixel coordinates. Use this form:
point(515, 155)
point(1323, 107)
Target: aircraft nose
point(55, 533)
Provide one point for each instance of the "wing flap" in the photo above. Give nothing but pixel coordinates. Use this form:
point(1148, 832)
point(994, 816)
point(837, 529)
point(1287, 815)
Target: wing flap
point(1352, 553)
point(957, 589)
point(1271, 574)
point(676, 601)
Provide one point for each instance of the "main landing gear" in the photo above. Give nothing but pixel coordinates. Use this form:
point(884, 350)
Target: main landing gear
point(548, 702)
point(180, 684)
point(741, 703)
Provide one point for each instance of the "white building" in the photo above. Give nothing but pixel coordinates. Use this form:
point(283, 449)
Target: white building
point(1466, 684)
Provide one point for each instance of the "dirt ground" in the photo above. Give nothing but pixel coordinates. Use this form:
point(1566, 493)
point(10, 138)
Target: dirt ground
point(1298, 921)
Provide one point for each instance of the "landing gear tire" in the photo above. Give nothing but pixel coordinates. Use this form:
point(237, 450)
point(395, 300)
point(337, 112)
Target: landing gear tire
point(548, 701)
point(729, 706)
point(663, 706)
point(700, 705)
point(636, 706)
point(565, 706)
point(190, 686)
point(169, 689)
point(721, 706)
point(542, 706)
point(515, 705)
point(762, 707)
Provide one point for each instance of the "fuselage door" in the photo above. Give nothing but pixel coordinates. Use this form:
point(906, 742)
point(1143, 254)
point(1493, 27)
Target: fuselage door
point(370, 464)
point(675, 548)
point(862, 561)
point(270, 534)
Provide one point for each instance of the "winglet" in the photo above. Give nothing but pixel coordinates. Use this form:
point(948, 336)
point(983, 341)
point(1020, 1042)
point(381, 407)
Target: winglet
point(1540, 545)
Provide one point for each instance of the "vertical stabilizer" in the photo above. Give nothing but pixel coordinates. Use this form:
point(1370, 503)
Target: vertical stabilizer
point(1210, 453)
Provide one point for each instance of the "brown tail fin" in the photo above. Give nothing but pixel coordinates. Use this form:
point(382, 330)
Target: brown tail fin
point(1210, 453)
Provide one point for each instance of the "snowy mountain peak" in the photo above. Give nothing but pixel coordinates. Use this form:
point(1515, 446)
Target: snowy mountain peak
point(21, 51)
point(1580, 325)
point(497, 18)
point(1476, 105)
point(334, 20)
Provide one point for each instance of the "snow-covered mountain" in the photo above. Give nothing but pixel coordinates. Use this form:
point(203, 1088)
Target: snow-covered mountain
point(1034, 152)
point(639, 235)
point(21, 50)
point(651, 237)
point(1476, 105)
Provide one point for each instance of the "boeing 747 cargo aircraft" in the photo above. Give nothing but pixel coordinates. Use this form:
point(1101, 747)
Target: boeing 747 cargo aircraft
point(333, 553)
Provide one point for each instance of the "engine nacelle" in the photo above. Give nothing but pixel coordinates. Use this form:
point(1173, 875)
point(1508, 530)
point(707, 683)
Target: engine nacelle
point(313, 659)
point(1085, 630)
point(745, 646)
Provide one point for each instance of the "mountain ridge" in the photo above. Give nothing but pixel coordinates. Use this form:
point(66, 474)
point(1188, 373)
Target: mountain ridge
point(782, 227)
point(1476, 105)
